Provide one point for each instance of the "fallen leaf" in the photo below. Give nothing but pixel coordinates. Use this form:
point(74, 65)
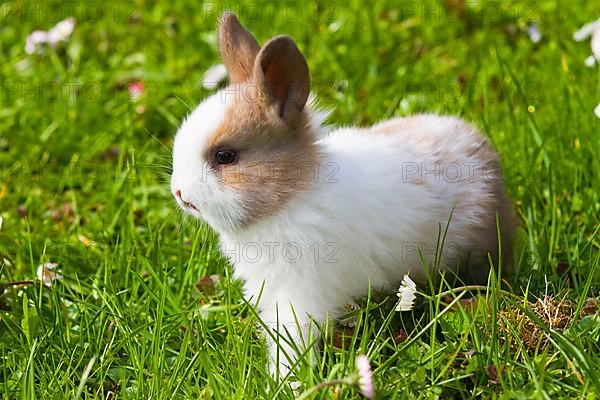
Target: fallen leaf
point(400, 336)
point(494, 373)
point(342, 337)
point(590, 306)
point(562, 268)
point(206, 286)
point(22, 210)
point(84, 239)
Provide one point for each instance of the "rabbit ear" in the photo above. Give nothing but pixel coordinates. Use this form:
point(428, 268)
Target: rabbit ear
point(281, 72)
point(238, 48)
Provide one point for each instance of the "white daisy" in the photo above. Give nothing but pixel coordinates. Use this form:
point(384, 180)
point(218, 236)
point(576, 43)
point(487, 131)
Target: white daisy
point(591, 29)
point(34, 39)
point(406, 294)
point(586, 30)
point(59, 33)
point(365, 377)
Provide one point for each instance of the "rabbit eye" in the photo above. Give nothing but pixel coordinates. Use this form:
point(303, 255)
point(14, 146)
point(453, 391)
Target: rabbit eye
point(225, 156)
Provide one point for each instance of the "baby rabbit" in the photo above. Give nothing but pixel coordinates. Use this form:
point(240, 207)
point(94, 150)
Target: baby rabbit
point(309, 218)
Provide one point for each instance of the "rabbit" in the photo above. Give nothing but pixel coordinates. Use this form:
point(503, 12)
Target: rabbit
point(312, 217)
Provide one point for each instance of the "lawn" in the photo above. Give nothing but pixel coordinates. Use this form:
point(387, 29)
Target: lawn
point(142, 304)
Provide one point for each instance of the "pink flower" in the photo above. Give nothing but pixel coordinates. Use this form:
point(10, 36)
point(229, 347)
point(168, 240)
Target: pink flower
point(365, 377)
point(136, 90)
point(34, 39)
point(48, 273)
point(61, 31)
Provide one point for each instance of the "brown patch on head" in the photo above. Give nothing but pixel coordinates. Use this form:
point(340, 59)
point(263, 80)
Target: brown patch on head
point(275, 159)
point(268, 128)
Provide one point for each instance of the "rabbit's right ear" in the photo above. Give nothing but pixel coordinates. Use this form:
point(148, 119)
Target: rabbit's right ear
point(238, 48)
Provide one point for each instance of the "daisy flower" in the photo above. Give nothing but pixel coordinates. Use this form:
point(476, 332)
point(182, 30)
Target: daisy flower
point(533, 31)
point(365, 377)
point(406, 294)
point(34, 39)
point(136, 90)
point(59, 33)
point(48, 273)
point(591, 29)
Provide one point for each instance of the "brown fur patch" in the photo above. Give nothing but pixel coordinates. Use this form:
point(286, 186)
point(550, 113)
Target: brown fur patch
point(238, 48)
point(266, 124)
point(276, 158)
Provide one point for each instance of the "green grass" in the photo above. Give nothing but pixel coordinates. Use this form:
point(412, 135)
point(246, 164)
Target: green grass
point(84, 183)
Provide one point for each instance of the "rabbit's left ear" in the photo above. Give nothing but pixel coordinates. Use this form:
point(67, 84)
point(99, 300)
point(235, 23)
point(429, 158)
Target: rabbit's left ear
point(238, 48)
point(281, 72)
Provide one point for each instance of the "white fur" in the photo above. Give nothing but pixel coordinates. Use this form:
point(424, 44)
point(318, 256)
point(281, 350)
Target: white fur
point(360, 222)
point(191, 173)
point(215, 204)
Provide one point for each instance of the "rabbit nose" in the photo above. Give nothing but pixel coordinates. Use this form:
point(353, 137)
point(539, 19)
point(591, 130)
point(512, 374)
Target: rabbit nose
point(178, 193)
